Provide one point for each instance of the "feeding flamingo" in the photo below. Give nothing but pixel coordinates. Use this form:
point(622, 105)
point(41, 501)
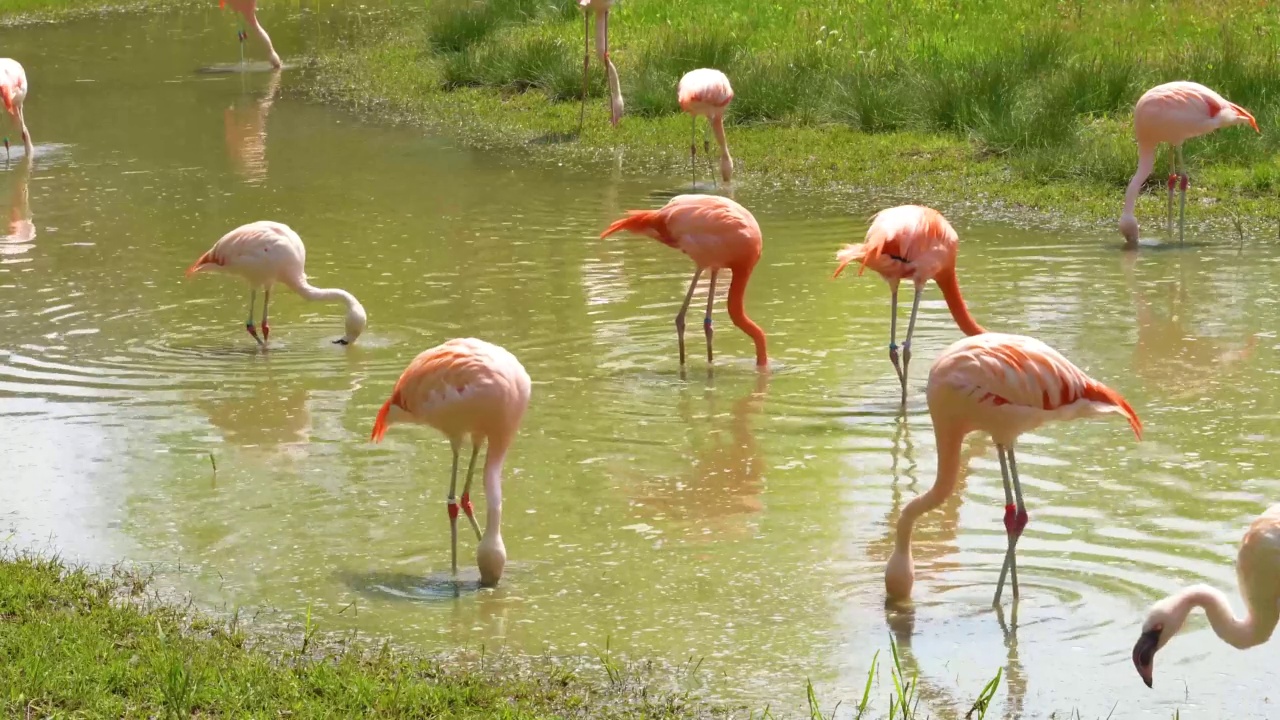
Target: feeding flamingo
point(466, 388)
point(716, 233)
point(1258, 572)
point(1173, 113)
point(707, 92)
point(249, 10)
point(264, 253)
point(13, 90)
point(601, 9)
point(917, 243)
point(1003, 385)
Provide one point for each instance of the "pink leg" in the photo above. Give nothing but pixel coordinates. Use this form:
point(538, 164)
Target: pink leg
point(266, 329)
point(1015, 518)
point(453, 510)
point(688, 297)
point(248, 325)
point(466, 491)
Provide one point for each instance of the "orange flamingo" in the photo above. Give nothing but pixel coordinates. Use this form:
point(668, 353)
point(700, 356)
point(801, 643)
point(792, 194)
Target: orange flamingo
point(916, 242)
point(265, 253)
point(1258, 572)
point(13, 90)
point(249, 10)
point(716, 233)
point(601, 9)
point(707, 92)
point(1003, 385)
point(466, 387)
point(1173, 113)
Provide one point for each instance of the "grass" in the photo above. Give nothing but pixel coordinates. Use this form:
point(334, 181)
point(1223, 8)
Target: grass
point(1019, 101)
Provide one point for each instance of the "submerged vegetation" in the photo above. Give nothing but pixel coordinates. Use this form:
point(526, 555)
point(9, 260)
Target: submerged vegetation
point(1023, 100)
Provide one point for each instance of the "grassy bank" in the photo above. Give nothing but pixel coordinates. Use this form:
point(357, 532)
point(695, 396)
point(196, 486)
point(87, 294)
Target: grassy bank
point(994, 102)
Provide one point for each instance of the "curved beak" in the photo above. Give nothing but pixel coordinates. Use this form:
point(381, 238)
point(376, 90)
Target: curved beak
point(1144, 654)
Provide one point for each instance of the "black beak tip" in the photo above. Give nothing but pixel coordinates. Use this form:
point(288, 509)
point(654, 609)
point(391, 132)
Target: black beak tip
point(340, 341)
point(1147, 680)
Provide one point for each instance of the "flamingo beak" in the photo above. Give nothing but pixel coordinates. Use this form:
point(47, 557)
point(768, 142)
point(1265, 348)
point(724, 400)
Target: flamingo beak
point(1144, 654)
point(341, 341)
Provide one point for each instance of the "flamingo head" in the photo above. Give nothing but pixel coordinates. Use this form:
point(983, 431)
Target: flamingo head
point(1164, 620)
point(491, 557)
point(357, 319)
point(899, 574)
point(726, 167)
point(1129, 229)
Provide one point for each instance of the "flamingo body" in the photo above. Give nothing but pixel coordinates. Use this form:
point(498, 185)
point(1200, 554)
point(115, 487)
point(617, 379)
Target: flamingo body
point(717, 234)
point(1258, 574)
point(1173, 113)
point(916, 243)
point(466, 388)
point(265, 253)
point(706, 92)
point(1002, 385)
point(13, 92)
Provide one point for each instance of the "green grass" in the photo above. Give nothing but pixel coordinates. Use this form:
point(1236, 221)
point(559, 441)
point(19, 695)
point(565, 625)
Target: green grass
point(1021, 101)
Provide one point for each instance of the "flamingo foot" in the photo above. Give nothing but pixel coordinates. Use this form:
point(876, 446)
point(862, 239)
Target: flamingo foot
point(254, 332)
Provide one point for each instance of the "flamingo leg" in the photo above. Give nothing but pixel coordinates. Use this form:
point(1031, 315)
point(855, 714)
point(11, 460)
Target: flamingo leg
point(586, 65)
point(266, 329)
point(615, 88)
point(1015, 517)
point(467, 507)
point(688, 298)
point(893, 330)
point(26, 136)
point(453, 508)
point(1173, 180)
point(1182, 198)
point(906, 344)
point(706, 321)
point(693, 148)
point(248, 324)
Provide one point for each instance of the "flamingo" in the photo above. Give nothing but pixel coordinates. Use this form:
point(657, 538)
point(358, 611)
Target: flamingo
point(916, 242)
point(716, 233)
point(1173, 113)
point(249, 10)
point(707, 92)
point(264, 253)
point(13, 90)
point(466, 387)
point(1258, 572)
point(601, 9)
point(1003, 385)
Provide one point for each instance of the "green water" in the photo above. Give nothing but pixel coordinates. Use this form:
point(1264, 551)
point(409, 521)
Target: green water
point(736, 517)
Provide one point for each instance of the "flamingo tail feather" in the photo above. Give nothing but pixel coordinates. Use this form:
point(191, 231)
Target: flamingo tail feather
point(1099, 393)
point(380, 422)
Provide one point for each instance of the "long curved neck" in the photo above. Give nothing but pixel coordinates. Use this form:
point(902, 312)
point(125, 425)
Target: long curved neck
point(738, 312)
point(726, 161)
point(949, 439)
point(1253, 629)
point(1146, 163)
point(950, 286)
point(493, 460)
point(315, 294)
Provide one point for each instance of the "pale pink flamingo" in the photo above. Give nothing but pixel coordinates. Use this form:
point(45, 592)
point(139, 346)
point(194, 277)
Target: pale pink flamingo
point(466, 388)
point(1173, 113)
point(249, 10)
point(917, 243)
point(1258, 573)
point(601, 10)
point(716, 233)
point(707, 92)
point(265, 253)
point(1003, 385)
point(13, 90)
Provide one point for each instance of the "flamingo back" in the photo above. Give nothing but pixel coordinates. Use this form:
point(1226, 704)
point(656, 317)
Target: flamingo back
point(714, 231)
point(262, 252)
point(1010, 384)
point(1177, 111)
point(704, 92)
point(461, 387)
point(1258, 564)
point(908, 241)
point(13, 84)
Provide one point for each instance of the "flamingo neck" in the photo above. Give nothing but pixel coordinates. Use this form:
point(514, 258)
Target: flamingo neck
point(1146, 163)
point(1253, 629)
point(726, 161)
point(949, 439)
point(493, 492)
point(950, 286)
point(738, 312)
point(309, 292)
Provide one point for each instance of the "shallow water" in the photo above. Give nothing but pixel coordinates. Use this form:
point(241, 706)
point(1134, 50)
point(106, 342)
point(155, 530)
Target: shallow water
point(731, 516)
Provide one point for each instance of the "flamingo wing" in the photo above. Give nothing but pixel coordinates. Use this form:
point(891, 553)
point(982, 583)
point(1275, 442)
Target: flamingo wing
point(258, 248)
point(904, 241)
point(713, 230)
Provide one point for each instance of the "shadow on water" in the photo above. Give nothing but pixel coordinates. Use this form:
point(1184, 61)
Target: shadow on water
point(249, 66)
point(435, 587)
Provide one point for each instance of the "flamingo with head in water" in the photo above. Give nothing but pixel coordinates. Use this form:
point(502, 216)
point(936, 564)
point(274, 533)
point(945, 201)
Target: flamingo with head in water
point(707, 93)
point(601, 9)
point(248, 9)
point(13, 91)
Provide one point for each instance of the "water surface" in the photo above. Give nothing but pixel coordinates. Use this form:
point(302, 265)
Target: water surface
point(726, 515)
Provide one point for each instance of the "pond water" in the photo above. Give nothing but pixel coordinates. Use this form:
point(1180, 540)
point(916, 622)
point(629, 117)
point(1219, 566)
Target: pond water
point(731, 516)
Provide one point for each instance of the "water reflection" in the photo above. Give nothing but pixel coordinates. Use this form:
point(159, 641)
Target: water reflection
point(245, 128)
point(20, 231)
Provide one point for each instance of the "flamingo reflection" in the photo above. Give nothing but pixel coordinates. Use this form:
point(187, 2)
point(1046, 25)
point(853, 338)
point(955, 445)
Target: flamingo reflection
point(20, 231)
point(245, 127)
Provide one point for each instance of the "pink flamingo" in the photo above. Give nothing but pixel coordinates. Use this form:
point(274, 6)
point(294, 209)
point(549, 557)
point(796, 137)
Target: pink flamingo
point(13, 90)
point(1173, 113)
point(1258, 573)
point(911, 241)
point(601, 9)
point(466, 387)
point(249, 10)
point(1003, 385)
point(264, 253)
point(716, 233)
point(707, 92)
